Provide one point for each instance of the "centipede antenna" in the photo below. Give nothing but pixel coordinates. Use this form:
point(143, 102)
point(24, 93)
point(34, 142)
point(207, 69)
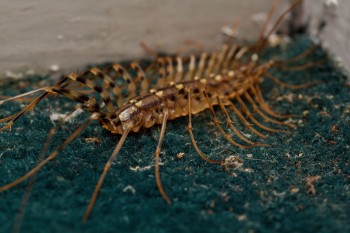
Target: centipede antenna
point(269, 16)
point(157, 153)
point(23, 95)
point(104, 173)
point(195, 44)
point(281, 17)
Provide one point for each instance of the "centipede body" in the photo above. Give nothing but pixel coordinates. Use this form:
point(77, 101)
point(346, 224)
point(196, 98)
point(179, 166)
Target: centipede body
point(189, 177)
point(145, 97)
point(227, 78)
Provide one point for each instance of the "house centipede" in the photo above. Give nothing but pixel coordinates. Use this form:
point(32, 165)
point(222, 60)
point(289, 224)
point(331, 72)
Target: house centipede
point(126, 99)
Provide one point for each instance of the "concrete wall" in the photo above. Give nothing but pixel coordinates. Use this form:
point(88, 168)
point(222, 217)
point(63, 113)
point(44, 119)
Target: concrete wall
point(39, 35)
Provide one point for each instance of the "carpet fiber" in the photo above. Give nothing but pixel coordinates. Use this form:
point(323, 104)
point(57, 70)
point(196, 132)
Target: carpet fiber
point(299, 184)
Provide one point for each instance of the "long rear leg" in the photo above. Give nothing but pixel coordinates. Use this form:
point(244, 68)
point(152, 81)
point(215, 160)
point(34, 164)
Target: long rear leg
point(21, 210)
point(25, 198)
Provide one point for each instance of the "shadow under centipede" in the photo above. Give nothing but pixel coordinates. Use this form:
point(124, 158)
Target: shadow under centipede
point(266, 192)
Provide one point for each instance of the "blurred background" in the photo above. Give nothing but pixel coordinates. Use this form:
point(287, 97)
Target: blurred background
point(61, 36)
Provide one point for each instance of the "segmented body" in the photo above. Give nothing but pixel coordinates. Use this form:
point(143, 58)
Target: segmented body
point(170, 92)
point(222, 75)
point(126, 99)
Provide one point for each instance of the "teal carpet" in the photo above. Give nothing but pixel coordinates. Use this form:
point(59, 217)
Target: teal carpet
point(270, 192)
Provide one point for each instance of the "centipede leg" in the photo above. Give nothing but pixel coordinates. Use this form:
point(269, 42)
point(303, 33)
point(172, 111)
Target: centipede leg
point(297, 57)
point(19, 216)
point(157, 153)
point(259, 98)
point(301, 67)
point(104, 173)
point(244, 121)
point(263, 115)
point(216, 122)
point(141, 75)
point(20, 96)
point(189, 127)
point(21, 210)
point(15, 117)
point(95, 87)
point(256, 122)
point(230, 123)
point(161, 72)
point(290, 86)
point(201, 64)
